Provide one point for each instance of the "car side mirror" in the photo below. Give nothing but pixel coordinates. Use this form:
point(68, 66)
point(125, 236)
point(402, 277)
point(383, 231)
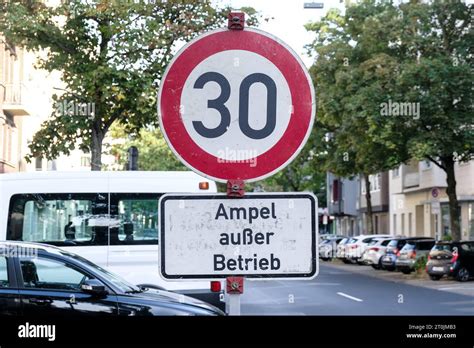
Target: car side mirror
point(93, 287)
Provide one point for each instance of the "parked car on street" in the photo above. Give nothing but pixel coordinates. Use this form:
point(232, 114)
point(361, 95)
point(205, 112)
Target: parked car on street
point(341, 249)
point(327, 248)
point(357, 245)
point(392, 251)
point(411, 252)
point(454, 259)
point(374, 252)
point(38, 279)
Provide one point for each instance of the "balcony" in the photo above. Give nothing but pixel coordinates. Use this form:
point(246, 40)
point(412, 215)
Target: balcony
point(411, 180)
point(12, 99)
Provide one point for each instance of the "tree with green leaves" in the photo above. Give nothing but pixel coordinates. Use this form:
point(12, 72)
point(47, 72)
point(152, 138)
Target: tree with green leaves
point(352, 78)
point(112, 54)
point(436, 53)
point(413, 52)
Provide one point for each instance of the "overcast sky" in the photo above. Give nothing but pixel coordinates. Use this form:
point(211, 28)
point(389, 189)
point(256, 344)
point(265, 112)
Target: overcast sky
point(290, 16)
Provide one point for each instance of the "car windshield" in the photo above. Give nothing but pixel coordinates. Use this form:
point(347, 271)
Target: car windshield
point(118, 281)
point(408, 246)
point(442, 247)
point(393, 243)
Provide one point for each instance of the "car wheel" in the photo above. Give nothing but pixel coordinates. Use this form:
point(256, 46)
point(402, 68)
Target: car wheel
point(346, 261)
point(375, 266)
point(324, 258)
point(435, 277)
point(463, 275)
point(406, 271)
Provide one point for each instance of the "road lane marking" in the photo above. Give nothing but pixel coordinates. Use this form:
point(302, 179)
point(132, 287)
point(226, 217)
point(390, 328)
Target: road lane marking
point(456, 288)
point(350, 297)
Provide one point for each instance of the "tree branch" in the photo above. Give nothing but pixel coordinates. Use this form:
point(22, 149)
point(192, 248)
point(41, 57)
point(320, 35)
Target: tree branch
point(436, 162)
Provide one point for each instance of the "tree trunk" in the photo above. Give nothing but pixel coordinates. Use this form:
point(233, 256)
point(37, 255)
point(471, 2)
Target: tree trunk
point(454, 211)
point(368, 199)
point(96, 149)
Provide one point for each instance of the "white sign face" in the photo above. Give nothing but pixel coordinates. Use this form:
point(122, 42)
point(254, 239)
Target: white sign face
point(258, 236)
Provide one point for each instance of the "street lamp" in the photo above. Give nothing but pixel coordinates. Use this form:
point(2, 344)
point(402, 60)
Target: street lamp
point(313, 5)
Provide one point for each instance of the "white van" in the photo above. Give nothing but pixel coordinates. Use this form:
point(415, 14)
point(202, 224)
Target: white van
point(110, 218)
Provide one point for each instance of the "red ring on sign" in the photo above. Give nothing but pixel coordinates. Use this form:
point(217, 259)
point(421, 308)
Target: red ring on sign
point(189, 151)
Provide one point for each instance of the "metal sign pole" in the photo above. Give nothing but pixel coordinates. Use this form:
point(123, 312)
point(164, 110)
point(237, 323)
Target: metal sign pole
point(235, 189)
point(234, 285)
point(234, 289)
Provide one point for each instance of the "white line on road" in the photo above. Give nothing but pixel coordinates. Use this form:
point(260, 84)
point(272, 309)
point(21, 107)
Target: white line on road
point(350, 297)
point(455, 288)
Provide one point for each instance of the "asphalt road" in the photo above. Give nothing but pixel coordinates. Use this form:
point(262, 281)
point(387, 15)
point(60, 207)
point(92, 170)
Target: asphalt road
point(338, 291)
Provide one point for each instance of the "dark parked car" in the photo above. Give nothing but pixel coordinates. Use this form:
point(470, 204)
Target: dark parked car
point(38, 279)
point(389, 259)
point(454, 259)
point(411, 252)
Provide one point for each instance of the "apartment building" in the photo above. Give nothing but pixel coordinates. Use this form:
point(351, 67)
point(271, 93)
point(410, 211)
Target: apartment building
point(379, 192)
point(342, 197)
point(13, 110)
point(25, 103)
point(419, 204)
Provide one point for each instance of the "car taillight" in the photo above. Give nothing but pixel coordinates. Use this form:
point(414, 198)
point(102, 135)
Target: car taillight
point(413, 254)
point(397, 252)
point(455, 257)
point(215, 286)
point(429, 257)
point(374, 249)
point(204, 185)
point(353, 246)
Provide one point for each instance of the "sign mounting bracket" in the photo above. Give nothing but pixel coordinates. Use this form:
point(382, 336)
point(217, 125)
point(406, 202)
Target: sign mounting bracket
point(236, 21)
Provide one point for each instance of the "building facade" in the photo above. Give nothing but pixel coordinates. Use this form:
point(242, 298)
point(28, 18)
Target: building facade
point(13, 109)
point(342, 197)
point(419, 204)
point(379, 192)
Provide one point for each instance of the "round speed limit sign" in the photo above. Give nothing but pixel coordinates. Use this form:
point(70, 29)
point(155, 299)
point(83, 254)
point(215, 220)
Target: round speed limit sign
point(236, 104)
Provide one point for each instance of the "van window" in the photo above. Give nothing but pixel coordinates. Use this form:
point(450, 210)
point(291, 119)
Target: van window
point(3, 272)
point(138, 218)
point(79, 219)
point(59, 219)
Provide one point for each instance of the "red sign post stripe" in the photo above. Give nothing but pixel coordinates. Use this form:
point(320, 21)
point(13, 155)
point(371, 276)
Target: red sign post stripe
point(193, 154)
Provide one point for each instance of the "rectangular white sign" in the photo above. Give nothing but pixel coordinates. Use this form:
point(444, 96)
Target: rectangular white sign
point(257, 236)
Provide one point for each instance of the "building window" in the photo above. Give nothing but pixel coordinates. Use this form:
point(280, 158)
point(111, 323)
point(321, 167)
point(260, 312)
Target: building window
point(8, 136)
point(445, 224)
point(376, 227)
point(403, 223)
point(38, 163)
point(394, 224)
point(85, 161)
point(425, 165)
point(335, 190)
point(410, 232)
point(51, 165)
point(396, 172)
point(470, 221)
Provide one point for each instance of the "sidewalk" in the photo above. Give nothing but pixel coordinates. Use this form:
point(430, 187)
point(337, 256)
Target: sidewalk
point(444, 284)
